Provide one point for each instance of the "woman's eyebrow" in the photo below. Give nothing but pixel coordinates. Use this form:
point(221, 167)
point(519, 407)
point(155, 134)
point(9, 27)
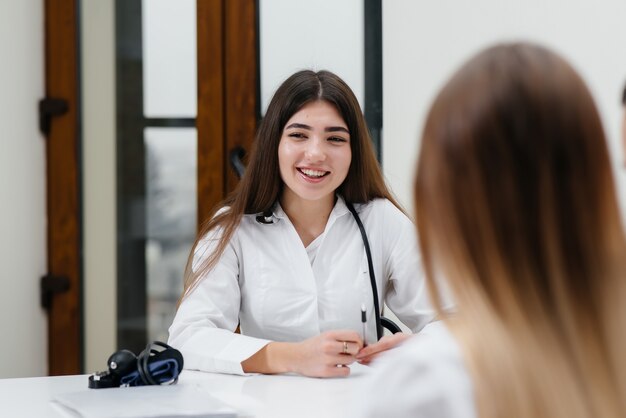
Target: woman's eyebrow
point(336, 129)
point(296, 125)
point(299, 126)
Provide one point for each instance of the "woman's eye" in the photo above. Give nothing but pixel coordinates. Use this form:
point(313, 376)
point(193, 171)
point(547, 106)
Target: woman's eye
point(337, 139)
point(297, 135)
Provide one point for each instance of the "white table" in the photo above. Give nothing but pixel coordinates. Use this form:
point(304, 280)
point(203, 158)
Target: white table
point(251, 396)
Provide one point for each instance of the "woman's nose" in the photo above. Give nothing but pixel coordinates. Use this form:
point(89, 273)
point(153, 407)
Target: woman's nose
point(315, 150)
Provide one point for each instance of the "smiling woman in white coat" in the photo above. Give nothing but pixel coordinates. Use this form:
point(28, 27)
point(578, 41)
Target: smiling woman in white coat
point(516, 208)
point(283, 259)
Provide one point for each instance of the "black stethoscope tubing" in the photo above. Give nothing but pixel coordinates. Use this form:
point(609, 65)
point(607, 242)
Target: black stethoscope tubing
point(267, 218)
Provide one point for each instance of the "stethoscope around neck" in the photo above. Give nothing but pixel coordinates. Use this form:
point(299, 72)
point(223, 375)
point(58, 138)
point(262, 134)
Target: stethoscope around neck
point(267, 218)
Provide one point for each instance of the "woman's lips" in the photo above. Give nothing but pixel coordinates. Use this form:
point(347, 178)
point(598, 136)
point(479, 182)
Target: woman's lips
point(312, 175)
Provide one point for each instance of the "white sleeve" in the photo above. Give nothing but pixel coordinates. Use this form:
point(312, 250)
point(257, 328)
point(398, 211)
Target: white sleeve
point(425, 377)
point(407, 295)
point(203, 329)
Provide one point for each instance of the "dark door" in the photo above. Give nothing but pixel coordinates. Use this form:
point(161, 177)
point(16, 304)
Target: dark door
point(63, 283)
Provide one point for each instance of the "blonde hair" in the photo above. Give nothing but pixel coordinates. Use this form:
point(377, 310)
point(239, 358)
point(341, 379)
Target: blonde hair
point(515, 203)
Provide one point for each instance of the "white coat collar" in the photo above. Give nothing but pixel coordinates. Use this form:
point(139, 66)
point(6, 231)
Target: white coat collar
point(339, 210)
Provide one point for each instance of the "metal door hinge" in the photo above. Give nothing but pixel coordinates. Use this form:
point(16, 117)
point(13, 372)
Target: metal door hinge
point(50, 107)
point(51, 285)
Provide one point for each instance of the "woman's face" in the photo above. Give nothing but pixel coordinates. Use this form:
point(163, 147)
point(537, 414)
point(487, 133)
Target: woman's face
point(314, 153)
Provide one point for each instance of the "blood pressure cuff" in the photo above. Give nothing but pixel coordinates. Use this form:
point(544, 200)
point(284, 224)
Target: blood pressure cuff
point(159, 372)
point(158, 364)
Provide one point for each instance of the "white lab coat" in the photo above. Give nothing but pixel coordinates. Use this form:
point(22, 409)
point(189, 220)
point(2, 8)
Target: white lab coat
point(424, 377)
point(265, 282)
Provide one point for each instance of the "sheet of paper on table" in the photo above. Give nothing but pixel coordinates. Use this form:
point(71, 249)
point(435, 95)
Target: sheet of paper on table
point(145, 401)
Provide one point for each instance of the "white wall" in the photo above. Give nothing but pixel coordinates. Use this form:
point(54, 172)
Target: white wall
point(22, 191)
point(99, 194)
point(424, 42)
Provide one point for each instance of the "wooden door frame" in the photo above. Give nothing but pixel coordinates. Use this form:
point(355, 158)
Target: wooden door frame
point(65, 351)
point(228, 95)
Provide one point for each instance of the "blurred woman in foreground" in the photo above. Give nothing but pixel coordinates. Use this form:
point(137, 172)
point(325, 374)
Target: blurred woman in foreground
point(516, 209)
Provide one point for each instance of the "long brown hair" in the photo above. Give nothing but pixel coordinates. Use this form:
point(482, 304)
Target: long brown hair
point(261, 185)
point(516, 207)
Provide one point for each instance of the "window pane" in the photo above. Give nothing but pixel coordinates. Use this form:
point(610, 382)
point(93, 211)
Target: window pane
point(316, 40)
point(171, 220)
point(169, 58)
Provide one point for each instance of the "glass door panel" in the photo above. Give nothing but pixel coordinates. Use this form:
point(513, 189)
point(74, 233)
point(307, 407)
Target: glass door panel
point(156, 162)
point(171, 220)
point(169, 58)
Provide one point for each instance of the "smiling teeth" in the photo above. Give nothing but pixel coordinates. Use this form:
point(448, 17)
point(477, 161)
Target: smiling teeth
point(313, 173)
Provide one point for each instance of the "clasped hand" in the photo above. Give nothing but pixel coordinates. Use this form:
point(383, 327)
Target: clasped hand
point(367, 354)
point(330, 353)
